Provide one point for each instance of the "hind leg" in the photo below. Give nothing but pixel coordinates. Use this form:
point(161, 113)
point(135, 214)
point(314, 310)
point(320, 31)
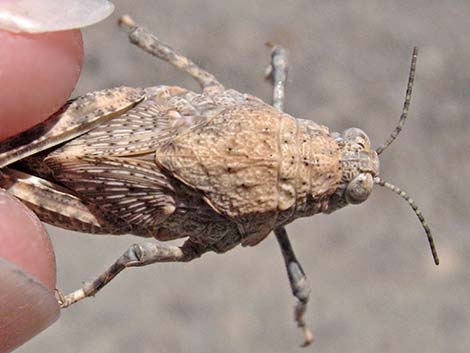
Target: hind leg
point(151, 44)
point(137, 255)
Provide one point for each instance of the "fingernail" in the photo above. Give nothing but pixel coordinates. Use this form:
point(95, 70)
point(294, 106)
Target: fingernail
point(33, 16)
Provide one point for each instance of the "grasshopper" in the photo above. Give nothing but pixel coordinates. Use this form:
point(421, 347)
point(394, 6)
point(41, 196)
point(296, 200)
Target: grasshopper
point(219, 168)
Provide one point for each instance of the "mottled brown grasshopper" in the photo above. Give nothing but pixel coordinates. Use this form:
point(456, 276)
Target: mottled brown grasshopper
point(219, 168)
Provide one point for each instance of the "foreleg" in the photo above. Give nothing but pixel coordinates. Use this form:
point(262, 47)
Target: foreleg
point(298, 282)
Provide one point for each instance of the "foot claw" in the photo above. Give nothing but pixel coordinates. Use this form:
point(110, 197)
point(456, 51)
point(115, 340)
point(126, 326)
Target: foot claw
point(126, 21)
point(308, 337)
point(59, 296)
point(66, 300)
point(268, 73)
point(300, 309)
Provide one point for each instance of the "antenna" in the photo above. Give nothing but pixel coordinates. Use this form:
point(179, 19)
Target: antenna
point(406, 105)
point(417, 211)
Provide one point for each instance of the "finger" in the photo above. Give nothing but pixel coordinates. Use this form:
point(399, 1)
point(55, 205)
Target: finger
point(27, 307)
point(38, 73)
point(24, 241)
point(27, 280)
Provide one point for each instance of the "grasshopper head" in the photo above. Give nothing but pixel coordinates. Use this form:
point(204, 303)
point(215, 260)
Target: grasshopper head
point(359, 165)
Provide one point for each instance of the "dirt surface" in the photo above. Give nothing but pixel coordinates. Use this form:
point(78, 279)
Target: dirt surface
point(374, 286)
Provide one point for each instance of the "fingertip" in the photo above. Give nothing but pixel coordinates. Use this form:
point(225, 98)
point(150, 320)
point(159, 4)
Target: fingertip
point(27, 307)
point(25, 242)
point(27, 275)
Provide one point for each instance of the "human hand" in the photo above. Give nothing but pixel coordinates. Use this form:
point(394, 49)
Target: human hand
point(37, 74)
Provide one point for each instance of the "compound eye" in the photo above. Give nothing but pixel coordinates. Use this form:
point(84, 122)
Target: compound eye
point(359, 189)
point(358, 136)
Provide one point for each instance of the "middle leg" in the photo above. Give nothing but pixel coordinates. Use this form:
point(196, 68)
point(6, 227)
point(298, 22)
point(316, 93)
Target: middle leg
point(151, 44)
point(277, 71)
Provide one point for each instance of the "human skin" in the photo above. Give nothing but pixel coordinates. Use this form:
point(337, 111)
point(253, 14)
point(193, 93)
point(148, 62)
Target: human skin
point(37, 74)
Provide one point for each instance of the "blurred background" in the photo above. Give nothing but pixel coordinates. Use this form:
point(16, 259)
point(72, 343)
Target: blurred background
point(374, 285)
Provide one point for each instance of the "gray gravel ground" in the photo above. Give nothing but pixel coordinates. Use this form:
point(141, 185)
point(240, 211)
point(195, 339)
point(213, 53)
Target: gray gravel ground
point(374, 286)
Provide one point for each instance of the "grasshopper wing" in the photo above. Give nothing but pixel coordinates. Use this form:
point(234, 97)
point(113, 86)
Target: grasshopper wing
point(73, 119)
point(112, 166)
